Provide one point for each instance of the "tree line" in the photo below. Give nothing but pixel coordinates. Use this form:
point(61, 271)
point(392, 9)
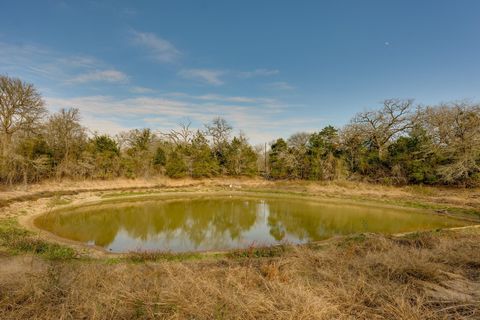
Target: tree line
point(398, 143)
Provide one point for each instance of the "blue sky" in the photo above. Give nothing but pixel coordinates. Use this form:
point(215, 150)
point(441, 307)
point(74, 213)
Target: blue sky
point(271, 68)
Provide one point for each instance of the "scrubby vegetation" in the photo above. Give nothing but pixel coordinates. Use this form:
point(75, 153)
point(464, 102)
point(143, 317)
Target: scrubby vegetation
point(18, 240)
point(400, 143)
point(433, 275)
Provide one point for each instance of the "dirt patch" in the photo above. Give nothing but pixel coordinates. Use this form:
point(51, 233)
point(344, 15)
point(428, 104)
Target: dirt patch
point(13, 267)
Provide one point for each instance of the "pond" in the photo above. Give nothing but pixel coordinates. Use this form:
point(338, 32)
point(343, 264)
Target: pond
point(201, 223)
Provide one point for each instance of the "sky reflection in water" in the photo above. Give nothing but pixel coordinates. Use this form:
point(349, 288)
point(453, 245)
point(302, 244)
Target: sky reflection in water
point(216, 223)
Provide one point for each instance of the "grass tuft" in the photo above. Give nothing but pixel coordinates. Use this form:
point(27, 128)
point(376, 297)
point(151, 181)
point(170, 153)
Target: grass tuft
point(51, 251)
point(146, 256)
point(258, 252)
point(18, 240)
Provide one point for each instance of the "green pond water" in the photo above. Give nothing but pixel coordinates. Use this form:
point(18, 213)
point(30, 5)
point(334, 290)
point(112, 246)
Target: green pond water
point(227, 222)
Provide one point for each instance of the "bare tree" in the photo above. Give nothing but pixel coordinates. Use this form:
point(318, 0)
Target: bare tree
point(381, 126)
point(299, 140)
point(138, 139)
point(351, 141)
point(454, 130)
point(219, 129)
point(181, 136)
point(297, 144)
point(21, 108)
point(64, 134)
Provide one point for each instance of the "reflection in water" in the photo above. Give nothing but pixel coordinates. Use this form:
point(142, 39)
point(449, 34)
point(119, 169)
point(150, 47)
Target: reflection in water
point(228, 222)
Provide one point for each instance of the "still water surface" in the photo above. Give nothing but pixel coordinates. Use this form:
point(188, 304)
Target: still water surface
point(218, 223)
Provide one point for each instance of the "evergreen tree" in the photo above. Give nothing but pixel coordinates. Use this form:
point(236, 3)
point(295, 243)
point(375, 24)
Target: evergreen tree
point(160, 158)
point(280, 160)
point(410, 160)
point(176, 166)
point(203, 162)
point(322, 153)
point(106, 156)
point(241, 159)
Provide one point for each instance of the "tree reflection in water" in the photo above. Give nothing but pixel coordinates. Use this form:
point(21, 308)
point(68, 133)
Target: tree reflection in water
point(228, 222)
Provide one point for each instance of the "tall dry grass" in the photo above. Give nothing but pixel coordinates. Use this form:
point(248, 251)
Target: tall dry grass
point(428, 276)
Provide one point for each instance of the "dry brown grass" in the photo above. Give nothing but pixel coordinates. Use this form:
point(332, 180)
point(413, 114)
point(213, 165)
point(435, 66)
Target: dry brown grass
point(426, 276)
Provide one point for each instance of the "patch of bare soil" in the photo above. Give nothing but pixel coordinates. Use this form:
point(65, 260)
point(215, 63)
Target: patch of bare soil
point(13, 267)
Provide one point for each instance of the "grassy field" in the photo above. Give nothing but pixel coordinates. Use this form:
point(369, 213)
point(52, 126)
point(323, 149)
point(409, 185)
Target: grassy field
point(428, 275)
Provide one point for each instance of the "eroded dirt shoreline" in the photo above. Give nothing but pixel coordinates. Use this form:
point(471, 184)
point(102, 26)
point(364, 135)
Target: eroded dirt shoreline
point(29, 204)
point(468, 198)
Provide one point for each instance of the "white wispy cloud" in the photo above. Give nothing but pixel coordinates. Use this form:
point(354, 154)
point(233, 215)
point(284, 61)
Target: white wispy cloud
point(258, 73)
point(209, 76)
point(141, 90)
point(33, 63)
point(111, 75)
point(160, 49)
point(27, 60)
point(280, 85)
point(261, 121)
point(237, 99)
point(103, 126)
